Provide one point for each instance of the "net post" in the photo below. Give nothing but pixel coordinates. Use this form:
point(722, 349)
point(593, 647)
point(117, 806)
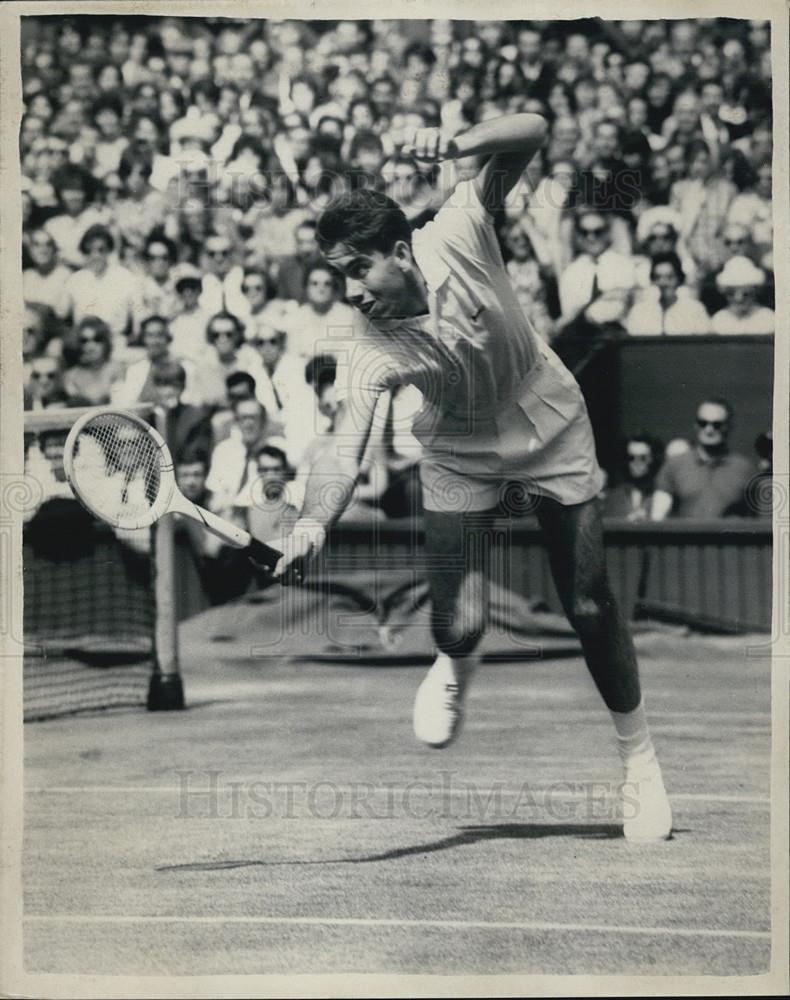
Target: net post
point(166, 691)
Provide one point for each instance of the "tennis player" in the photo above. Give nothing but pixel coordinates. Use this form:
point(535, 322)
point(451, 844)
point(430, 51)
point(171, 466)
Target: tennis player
point(499, 407)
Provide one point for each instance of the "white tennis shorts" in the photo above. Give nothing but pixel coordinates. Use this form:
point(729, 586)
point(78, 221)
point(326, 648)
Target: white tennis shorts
point(541, 439)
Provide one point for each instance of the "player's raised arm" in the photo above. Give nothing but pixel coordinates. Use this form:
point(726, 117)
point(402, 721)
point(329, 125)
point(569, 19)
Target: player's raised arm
point(330, 484)
point(510, 143)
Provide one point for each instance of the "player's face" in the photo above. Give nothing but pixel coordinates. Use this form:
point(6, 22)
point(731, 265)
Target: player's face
point(382, 286)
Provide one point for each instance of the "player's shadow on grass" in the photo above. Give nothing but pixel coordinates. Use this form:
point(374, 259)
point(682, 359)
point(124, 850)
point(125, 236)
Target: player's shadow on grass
point(468, 835)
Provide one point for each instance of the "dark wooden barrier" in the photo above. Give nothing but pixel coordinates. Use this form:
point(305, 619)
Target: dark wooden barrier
point(655, 383)
point(711, 575)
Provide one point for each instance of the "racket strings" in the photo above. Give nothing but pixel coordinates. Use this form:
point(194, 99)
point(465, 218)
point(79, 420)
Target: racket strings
point(116, 467)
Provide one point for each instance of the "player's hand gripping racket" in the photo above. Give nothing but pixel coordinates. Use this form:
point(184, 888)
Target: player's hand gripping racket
point(120, 469)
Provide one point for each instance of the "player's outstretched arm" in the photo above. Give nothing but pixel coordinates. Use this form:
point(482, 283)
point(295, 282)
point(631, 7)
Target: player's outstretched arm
point(510, 142)
point(330, 485)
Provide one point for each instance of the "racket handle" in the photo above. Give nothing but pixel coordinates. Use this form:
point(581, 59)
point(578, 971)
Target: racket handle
point(263, 555)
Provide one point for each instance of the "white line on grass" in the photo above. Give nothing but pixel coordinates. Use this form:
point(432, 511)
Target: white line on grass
point(494, 925)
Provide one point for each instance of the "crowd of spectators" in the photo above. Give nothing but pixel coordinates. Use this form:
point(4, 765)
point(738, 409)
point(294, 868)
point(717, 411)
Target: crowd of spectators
point(173, 169)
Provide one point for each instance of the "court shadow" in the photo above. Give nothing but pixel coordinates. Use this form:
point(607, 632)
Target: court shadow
point(467, 835)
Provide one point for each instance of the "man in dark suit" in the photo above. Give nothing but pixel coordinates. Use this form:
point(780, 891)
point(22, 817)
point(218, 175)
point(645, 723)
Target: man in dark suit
point(188, 426)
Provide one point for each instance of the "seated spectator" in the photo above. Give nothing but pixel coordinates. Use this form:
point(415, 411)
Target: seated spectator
point(222, 278)
point(238, 386)
point(757, 499)
point(292, 269)
point(39, 335)
point(667, 306)
point(268, 501)
point(632, 498)
point(702, 201)
point(44, 387)
point(657, 232)
point(107, 117)
point(140, 207)
point(188, 426)
point(740, 281)
point(597, 287)
point(283, 389)
point(45, 280)
point(92, 376)
point(227, 353)
point(753, 208)
point(107, 291)
point(411, 190)
point(233, 460)
point(136, 386)
point(76, 191)
point(157, 294)
point(323, 317)
point(372, 482)
point(188, 325)
point(527, 280)
point(706, 480)
point(261, 305)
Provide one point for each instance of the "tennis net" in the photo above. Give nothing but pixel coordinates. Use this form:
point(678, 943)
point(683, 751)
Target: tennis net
point(97, 630)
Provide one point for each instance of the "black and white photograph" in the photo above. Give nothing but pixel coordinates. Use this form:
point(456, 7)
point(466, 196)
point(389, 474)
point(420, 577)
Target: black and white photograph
point(396, 565)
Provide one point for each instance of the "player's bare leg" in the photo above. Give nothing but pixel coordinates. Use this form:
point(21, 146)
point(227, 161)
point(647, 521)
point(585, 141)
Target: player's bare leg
point(457, 547)
point(574, 538)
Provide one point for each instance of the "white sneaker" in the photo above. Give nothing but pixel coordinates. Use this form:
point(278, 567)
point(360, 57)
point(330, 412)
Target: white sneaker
point(647, 814)
point(438, 706)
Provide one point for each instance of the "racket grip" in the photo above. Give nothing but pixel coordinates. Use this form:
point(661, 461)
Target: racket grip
point(263, 555)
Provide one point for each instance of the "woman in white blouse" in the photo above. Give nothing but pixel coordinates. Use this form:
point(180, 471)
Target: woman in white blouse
point(667, 306)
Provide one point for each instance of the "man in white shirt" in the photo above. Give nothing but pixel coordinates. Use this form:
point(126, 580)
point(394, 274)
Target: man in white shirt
point(233, 460)
point(222, 279)
point(45, 281)
point(499, 405)
point(323, 318)
point(599, 284)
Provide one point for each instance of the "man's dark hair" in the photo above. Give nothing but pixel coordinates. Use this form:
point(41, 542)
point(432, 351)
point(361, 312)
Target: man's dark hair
point(157, 236)
point(364, 140)
point(320, 371)
point(96, 232)
point(154, 318)
point(241, 378)
point(670, 257)
point(272, 452)
point(168, 373)
point(191, 455)
point(363, 220)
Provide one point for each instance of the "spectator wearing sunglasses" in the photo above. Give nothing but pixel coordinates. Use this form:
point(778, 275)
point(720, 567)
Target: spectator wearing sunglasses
point(261, 305)
point(597, 287)
point(103, 289)
point(93, 374)
point(222, 278)
point(44, 387)
point(632, 497)
point(157, 293)
point(282, 387)
point(227, 353)
point(707, 480)
point(740, 282)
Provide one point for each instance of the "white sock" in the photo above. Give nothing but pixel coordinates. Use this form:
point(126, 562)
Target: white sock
point(461, 666)
point(633, 738)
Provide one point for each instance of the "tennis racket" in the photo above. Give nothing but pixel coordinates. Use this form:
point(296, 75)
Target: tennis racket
point(121, 470)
